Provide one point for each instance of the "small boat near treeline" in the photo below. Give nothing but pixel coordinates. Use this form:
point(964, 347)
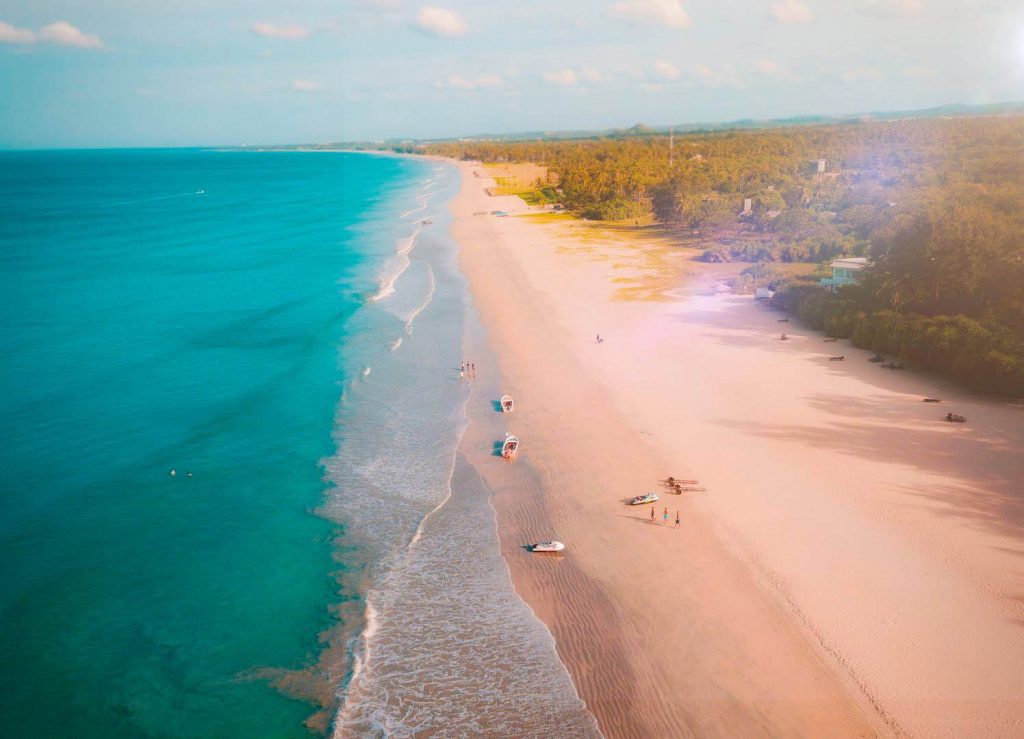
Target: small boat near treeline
point(506, 404)
point(510, 447)
point(955, 418)
point(547, 546)
point(645, 498)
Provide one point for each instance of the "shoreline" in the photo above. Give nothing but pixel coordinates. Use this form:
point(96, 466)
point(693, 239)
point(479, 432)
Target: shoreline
point(781, 605)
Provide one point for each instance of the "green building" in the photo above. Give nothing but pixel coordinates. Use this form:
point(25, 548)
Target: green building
point(844, 271)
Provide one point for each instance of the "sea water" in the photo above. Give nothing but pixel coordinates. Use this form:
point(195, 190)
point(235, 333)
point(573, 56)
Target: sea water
point(231, 403)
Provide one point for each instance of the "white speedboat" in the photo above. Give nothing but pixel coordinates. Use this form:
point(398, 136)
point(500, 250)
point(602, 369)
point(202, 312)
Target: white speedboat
point(645, 498)
point(510, 447)
point(506, 404)
point(548, 546)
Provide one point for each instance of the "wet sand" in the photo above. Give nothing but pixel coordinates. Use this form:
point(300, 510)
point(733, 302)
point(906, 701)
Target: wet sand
point(854, 567)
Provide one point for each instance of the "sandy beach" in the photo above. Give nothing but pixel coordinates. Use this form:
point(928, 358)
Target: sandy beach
point(854, 566)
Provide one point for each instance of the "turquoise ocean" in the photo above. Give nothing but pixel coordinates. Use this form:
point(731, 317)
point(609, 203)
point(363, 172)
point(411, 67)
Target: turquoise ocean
point(282, 330)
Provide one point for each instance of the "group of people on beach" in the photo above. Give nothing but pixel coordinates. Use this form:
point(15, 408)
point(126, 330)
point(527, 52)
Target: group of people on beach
point(467, 368)
point(664, 517)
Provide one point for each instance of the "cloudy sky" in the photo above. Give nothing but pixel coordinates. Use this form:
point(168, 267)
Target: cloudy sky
point(194, 72)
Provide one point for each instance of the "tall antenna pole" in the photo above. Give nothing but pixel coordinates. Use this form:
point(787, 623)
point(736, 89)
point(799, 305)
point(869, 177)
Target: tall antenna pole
point(671, 144)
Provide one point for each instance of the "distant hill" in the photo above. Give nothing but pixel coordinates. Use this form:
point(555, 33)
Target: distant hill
point(641, 130)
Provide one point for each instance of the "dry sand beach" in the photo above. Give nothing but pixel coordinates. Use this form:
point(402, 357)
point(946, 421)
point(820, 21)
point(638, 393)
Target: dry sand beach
point(856, 565)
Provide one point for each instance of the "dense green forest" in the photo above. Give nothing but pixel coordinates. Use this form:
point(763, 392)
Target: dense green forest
point(936, 204)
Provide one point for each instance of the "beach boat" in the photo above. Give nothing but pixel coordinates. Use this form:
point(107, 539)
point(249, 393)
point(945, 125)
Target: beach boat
point(548, 546)
point(510, 447)
point(645, 498)
point(506, 404)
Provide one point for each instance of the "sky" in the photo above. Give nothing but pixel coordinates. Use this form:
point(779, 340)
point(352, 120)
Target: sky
point(94, 73)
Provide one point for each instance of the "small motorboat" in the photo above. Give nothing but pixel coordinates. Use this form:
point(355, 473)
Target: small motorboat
point(783, 338)
point(506, 404)
point(510, 447)
point(955, 418)
point(548, 546)
point(932, 400)
point(840, 358)
point(645, 498)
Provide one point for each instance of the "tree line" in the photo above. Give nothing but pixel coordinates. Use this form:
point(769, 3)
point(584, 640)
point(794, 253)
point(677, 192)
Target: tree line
point(936, 204)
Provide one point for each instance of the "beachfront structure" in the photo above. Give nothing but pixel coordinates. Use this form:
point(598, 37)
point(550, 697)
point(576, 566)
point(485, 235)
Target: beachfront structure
point(844, 271)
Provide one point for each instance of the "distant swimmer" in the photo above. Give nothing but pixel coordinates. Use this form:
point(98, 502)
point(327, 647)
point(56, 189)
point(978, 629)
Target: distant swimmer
point(188, 474)
point(173, 472)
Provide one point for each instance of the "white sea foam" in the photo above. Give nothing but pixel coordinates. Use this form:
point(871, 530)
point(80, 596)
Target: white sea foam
point(443, 626)
point(422, 206)
point(396, 265)
point(411, 316)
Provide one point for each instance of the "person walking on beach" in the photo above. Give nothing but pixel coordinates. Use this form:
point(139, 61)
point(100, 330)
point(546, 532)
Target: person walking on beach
point(664, 516)
point(677, 519)
point(473, 368)
point(652, 515)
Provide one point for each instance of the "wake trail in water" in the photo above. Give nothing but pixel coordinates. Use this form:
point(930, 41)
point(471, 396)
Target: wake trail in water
point(193, 194)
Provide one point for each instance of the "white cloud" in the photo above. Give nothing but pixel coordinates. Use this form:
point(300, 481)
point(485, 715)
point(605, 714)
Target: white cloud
point(441, 22)
point(651, 87)
point(483, 81)
point(566, 77)
point(289, 32)
point(791, 11)
point(860, 73)
point(592, 75)
point(666, 12)
point(65, 34)
point(11, 35)
point(667, 70)
point(723, 76)
point(305, 85)
point(489, 80)
point(895, 7)
point(768, 67)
